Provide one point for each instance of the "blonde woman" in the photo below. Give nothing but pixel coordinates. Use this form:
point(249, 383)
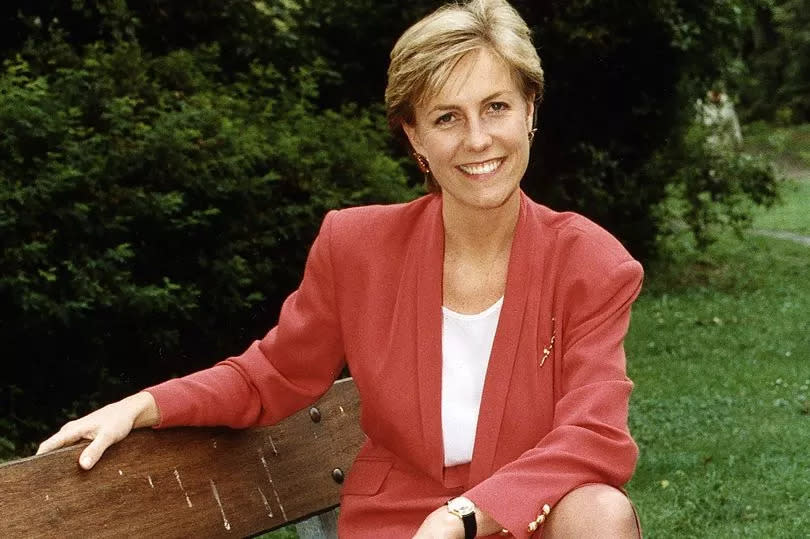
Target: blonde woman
point(484, 331)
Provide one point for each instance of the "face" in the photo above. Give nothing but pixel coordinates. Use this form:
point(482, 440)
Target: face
point(474, 133)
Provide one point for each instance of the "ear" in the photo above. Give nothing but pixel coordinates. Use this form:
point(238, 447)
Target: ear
point(530, 112)
point(412, 133)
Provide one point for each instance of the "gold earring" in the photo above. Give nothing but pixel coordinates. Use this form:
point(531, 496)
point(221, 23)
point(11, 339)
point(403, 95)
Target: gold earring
point(531, 135)
point(422, 163)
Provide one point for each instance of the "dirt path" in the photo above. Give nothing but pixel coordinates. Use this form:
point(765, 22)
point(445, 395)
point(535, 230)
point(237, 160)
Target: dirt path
point(792, 172)
point(787, 172)
point(782, 235)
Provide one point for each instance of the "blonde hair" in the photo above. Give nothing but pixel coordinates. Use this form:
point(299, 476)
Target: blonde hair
point(425, 55)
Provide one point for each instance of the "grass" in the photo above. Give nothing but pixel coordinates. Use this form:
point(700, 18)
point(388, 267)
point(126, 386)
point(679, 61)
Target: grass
point(719, 349)
point(788, 146)
point(792, 214)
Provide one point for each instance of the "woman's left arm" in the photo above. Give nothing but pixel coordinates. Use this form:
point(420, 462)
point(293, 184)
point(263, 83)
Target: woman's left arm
point(589, 441)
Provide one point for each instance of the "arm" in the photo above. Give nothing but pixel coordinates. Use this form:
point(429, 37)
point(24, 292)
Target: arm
point(589, 441)
point(104, 427)
point(291, 367)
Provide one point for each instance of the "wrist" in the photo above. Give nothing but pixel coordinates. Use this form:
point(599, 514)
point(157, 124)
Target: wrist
point(145, 408)
point(463, 510)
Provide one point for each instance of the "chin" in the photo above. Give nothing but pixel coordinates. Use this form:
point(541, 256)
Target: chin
point(493, 201)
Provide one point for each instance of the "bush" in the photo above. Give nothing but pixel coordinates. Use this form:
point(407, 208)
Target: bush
point(153, 217)
point(710, 188)
point(162, 181)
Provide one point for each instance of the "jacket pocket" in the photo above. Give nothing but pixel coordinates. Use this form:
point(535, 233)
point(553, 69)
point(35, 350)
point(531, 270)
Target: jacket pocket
point(366, 476)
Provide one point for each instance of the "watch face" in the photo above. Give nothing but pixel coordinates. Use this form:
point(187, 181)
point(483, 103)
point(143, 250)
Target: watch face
point(461, 506)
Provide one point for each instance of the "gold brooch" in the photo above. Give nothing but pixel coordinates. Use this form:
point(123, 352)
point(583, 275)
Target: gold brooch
point(547, 349)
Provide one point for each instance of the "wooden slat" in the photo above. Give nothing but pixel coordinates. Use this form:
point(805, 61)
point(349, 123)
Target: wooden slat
point(189, 481)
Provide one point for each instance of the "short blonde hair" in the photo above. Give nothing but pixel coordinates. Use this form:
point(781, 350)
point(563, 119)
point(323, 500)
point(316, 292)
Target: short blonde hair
point(425, 55)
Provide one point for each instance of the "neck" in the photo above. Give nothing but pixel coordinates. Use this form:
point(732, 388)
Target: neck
point(480, 232)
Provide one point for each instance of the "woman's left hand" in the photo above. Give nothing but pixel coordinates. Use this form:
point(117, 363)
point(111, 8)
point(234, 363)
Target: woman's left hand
point(441, 524)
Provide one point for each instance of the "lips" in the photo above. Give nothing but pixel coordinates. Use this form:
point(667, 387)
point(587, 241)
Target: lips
point(477, 169)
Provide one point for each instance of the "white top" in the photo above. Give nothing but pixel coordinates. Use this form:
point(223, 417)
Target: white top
point(466, 346)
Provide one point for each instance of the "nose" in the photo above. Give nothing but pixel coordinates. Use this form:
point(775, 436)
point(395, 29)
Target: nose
point(478, 137)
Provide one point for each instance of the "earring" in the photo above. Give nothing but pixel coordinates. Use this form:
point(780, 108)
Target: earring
point(422, 163)
point(531, 135)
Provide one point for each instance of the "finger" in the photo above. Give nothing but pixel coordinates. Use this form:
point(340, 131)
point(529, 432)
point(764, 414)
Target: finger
point(92, 453)
point(64, 437)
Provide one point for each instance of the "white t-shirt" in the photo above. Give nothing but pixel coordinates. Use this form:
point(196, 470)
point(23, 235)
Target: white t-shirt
point(466, 346)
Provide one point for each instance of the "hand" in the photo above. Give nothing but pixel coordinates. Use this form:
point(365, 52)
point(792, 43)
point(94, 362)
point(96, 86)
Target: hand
point(105, 427)
point(441, 524)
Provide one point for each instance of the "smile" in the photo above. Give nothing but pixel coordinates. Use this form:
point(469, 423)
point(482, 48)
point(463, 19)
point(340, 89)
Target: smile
point(481, 168)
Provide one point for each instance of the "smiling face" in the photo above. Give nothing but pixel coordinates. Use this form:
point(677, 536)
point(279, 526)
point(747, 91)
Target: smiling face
point(474, 133)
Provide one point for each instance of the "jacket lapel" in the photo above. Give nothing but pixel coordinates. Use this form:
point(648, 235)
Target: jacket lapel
point(504, 347)
point(428, 253)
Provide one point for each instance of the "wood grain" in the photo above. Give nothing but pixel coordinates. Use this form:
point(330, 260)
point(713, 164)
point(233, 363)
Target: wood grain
point(189, 481)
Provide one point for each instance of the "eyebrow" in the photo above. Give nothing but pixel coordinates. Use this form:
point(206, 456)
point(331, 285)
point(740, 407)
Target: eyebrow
point(442, 107)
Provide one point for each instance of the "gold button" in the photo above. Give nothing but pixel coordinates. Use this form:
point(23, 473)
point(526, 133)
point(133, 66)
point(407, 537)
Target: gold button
point(546, 509)
point(540, 519)
point(532, 527)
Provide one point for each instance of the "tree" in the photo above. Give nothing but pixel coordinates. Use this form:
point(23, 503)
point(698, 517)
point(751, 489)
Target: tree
point(775, 87)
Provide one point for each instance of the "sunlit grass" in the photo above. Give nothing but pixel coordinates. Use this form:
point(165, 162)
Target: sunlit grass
point(788, 146)
point(792, 213)
point(720, 353)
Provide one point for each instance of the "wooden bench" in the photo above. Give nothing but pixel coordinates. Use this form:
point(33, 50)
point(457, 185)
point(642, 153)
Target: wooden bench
point(192, 481)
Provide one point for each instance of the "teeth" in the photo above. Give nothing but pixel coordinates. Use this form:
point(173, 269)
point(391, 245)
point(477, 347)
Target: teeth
point(481, 168)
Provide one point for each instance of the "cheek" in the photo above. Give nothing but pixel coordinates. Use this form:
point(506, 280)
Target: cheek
point(441, 149)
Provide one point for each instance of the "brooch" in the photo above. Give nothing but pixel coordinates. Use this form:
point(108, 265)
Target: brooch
point(547, 349)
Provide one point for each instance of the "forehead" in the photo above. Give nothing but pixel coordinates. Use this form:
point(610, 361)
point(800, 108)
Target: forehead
point(476, 75)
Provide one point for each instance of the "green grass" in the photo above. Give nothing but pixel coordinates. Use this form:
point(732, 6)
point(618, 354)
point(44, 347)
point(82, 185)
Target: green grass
point(719, 350)
point(788, 146)
point(792, 213)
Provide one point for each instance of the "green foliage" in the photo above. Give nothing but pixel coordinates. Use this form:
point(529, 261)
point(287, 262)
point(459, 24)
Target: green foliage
point(711, 188)
point(789, 146)
point(775, 86)
point(622, 80)
point(165, 164)
point(153, 215)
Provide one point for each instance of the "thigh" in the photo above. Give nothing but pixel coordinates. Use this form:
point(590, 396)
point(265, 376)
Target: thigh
point(593, 511)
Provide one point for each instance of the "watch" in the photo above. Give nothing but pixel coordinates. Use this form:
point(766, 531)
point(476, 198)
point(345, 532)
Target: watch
point(464, 509)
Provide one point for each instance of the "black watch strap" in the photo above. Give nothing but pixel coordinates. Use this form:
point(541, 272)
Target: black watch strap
point(470, 526)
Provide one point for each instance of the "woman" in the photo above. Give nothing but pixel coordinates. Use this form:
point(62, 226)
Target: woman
point(484, 331)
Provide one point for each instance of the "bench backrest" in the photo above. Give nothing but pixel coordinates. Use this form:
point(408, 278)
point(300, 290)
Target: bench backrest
point(190, 481)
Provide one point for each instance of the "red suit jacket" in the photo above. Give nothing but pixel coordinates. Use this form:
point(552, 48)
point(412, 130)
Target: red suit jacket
point(554, 407)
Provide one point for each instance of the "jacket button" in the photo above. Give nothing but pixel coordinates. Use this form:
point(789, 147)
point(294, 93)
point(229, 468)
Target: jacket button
point(337, 475)
point(315, 415)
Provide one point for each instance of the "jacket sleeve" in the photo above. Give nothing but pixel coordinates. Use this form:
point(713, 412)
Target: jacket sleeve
point(589, 441)
point(291, 367)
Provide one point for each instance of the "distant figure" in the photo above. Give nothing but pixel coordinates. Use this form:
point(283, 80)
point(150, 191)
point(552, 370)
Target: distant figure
point(717, 113)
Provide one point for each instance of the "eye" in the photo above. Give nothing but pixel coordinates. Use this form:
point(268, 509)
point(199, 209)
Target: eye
point(444, 118)
point(498, 106)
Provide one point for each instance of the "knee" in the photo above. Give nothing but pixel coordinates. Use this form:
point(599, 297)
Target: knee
point(593, 511)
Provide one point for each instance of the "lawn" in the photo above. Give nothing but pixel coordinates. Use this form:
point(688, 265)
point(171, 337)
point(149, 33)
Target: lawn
point(719, 350)
point(792, 213)
point(789, 147)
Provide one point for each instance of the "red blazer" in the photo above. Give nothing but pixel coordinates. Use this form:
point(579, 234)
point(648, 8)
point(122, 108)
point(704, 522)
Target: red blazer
point(554, 407)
